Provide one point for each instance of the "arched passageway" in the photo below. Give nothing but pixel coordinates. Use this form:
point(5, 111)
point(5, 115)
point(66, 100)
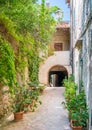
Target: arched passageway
point(56, 76)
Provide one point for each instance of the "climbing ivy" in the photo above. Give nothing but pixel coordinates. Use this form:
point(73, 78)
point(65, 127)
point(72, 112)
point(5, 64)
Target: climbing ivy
point(9, 25)
point(34, 26)
point(34, 69)
point(25, 30)
point(7, 64)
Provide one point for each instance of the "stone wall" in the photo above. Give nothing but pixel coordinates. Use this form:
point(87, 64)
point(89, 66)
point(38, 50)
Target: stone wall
point(5, 97)
point(81, 29)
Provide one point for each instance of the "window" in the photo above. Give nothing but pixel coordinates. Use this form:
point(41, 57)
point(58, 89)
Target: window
point(58, 46)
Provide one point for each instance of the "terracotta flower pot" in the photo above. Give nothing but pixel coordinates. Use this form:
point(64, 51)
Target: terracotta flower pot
point(18, 116)
point(76, 127)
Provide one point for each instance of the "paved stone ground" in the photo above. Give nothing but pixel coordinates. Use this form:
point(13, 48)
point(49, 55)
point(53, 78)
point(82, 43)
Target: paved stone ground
point(49, 116)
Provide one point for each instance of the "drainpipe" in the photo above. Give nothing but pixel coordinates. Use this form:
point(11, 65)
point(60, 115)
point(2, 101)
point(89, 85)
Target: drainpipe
point(71, 47)
point(71, 34)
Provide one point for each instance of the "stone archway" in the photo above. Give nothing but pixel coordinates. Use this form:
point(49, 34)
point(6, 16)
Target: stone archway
point(56, 75)
point(45, 69)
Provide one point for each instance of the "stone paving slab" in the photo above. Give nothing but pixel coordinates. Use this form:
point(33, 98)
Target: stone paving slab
point(49, 116)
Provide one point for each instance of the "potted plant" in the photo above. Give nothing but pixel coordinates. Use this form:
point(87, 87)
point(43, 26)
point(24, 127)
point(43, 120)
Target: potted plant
point(70, 88)
point(18, 102)
point(79, 114)
point(35, 91)
point(78, 120)
point(34, 99)
point(70, 93)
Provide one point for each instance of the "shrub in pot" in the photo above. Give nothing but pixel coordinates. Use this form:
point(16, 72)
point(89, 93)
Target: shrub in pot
point(18, 102)
point(70, 88)
point(34, 99)
point(79, 112)
point(70, 93)
point(34, 91)
point(23, 97)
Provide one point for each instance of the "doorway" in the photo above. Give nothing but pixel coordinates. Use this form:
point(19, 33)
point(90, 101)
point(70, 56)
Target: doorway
point(56, 77)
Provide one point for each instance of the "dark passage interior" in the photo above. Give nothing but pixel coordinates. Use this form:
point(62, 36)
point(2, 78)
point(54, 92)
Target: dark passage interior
point(56, 78)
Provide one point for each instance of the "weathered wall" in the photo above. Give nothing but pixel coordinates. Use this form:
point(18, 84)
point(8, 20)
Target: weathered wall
point(59, 58)
point(5, 97)
point(61, 36)
point(81, 29)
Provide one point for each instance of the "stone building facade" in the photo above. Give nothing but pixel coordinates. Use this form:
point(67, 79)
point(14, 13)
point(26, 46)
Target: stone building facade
point(81, 47)
point(57, 66)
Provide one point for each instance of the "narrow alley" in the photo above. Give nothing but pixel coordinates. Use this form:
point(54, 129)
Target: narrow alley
point(45, 43)
point(51, 115)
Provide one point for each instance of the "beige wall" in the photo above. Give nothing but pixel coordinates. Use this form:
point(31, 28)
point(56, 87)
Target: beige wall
point(58, 59)
point(61, 36)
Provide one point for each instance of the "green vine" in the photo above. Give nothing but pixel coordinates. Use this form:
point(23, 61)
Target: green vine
point(9, 26)
point(32, 26)
point(7, 64)
point(25, 30)
point(34, 69)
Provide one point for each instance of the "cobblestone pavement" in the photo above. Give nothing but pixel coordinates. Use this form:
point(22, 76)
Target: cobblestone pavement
point(49, 116)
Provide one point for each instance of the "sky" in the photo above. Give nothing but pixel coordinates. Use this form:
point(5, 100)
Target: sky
point(61, 4)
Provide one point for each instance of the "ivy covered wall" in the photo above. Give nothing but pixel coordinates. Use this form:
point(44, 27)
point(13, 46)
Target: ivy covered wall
point(25, 29)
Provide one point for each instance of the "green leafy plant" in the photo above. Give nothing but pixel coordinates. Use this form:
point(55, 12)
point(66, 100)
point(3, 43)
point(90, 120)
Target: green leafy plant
point(79, 109)
point(25, 99)
point(75, 104)
point(7, 64)
point(10, 26)
point(35, 91)
point(70, 88)
point(31, 26)
point(35, 100)
point(70, 93)
point(18, 98)
point(41, 88)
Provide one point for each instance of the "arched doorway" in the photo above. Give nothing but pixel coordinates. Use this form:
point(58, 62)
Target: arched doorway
point(56, 76)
